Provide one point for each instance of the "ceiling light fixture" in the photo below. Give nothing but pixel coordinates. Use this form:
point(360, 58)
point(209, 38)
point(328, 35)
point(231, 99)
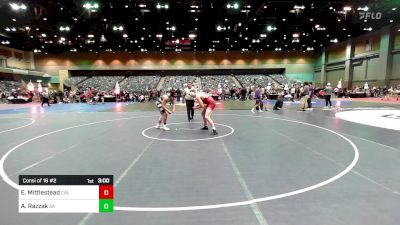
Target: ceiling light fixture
point(162, 6)
point(271, 28)
point(91, 6)
point(365, 8)
point(118, 28)
point(334, 40)
point(172, 28)
point(232, 6)
point(297, 8)
point(17, 7)
point(347, 8)
point(66, 28)
point(220, 28)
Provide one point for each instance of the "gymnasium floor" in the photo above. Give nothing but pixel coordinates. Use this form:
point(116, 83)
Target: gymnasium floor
point(277, 167)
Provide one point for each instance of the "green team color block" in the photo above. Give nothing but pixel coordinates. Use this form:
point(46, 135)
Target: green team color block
point(106, 205)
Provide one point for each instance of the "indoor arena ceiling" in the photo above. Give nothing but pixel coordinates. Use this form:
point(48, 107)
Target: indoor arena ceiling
point(181, 25)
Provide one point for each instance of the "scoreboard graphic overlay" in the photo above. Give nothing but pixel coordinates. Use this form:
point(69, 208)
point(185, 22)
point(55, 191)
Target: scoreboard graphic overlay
point(66, 194)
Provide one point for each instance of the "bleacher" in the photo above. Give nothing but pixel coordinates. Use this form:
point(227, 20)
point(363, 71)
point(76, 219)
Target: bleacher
point(254, 80)
point(74, 81)
point(178, 82)
point(281, 79)
point(9, 85)
point(139, 83)
point(215, 82)
point(102, 83)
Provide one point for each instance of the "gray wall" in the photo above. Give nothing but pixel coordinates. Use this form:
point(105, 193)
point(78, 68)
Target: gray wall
point(396, 66)
point(374, 68)
point(334, 76)
point(359, 71)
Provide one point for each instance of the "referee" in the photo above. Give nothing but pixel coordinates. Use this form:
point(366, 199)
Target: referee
point(45, 98)
point(189, 100)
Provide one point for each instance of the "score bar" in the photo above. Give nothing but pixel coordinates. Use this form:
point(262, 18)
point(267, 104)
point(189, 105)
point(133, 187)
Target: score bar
point(66, 194)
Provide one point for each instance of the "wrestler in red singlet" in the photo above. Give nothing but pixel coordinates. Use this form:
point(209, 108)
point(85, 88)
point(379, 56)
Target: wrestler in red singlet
point(210, 102)
point(207, 102)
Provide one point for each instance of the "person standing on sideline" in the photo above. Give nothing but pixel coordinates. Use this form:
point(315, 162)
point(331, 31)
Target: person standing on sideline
point(189, 100)
point(304, 96)
point(45, 98)
point(328, 93)
point(257, 96)
point(311, 91)
point(293, 92)
point(164, 111)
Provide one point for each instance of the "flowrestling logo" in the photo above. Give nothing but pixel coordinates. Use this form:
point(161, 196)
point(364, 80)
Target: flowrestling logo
point(389, 119)
point(370, 15)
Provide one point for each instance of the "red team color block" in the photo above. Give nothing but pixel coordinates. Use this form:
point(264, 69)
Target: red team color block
point(106, 192)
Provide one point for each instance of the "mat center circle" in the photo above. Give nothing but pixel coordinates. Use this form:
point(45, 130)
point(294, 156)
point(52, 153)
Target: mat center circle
point(187, 131)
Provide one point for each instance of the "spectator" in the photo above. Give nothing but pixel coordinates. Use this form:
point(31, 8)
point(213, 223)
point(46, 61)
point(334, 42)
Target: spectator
point(45, 98)
point(311, 91)
point(328, 93)
point(279, 103)
point(304, 95)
